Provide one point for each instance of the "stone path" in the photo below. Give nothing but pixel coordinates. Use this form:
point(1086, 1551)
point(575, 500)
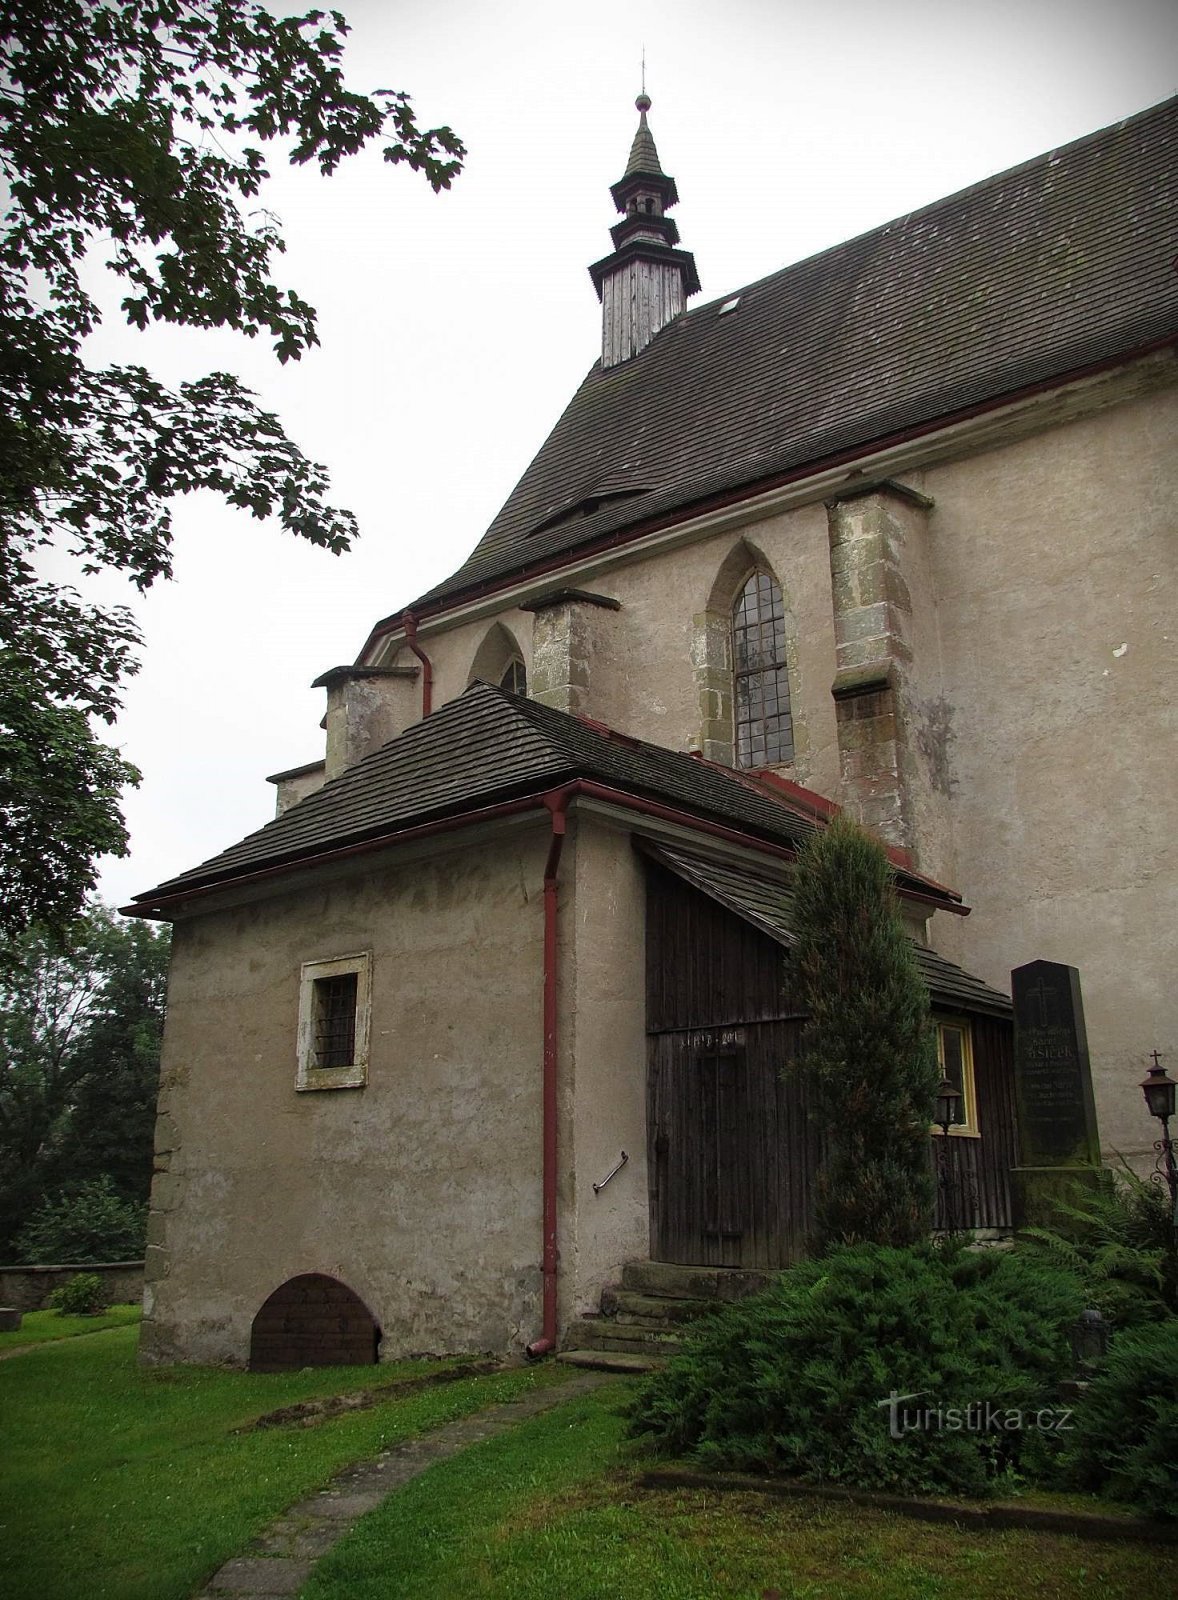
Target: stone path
point(279, 1562)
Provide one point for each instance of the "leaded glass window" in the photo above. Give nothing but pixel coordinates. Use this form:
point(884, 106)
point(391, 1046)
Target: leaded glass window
point(763, 723)
point(514, 677)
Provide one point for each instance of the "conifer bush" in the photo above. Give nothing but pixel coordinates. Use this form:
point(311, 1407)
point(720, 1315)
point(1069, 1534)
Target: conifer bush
point(869, 1050)
point(1126, 1440)
point(797, 1379)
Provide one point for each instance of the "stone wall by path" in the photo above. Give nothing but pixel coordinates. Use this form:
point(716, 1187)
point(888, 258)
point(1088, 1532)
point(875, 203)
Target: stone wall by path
point(29, 1288)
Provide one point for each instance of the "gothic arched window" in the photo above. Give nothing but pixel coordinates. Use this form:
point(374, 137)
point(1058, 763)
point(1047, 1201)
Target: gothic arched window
point(514, 677)
point(762, 722)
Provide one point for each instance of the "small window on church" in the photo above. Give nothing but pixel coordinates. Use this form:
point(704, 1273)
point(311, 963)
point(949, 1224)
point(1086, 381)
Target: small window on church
point(515, 677)
point(334, 1006)
point(763, 723)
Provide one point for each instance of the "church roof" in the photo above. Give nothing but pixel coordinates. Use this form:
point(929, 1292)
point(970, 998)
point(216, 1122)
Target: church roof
point(489, 746)
point(1040, 273)
point(767, 904)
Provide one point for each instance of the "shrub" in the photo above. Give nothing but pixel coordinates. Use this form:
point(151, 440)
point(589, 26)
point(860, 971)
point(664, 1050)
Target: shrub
point(798, 1379)
point(1120, 1241)
point(83, 1296)
point(90, 1223)
point(1126, 1439)
point(869, 1050)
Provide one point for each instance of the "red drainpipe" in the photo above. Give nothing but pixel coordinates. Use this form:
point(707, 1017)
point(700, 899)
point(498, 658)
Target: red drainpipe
point(557, 804)
point(409, 623)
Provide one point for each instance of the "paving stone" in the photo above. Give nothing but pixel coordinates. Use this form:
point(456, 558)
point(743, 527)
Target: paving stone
point(261, 1577)
point(281, 1559)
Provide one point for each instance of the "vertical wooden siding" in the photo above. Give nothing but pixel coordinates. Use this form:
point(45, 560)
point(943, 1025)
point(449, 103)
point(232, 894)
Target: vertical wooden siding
point(979, 1169)
point(732, 1149)
point(707, 970)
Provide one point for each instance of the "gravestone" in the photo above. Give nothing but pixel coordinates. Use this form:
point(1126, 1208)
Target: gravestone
point(1058, 1139)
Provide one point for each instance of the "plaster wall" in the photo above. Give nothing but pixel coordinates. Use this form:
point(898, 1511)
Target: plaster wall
point(455, 652)
point(1040, 696)
point(421, 1190)
point(1053, 567)
point(606, 1087)
point(637, 673)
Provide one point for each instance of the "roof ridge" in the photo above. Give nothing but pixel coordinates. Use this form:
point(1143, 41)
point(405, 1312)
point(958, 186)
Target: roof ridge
point(955, 195)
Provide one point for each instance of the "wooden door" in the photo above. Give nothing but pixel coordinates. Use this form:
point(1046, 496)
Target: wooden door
point(731, 1151)
point(697, 1090)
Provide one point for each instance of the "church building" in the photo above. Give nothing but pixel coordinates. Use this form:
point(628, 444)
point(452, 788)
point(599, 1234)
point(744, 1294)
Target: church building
point(500, 1001)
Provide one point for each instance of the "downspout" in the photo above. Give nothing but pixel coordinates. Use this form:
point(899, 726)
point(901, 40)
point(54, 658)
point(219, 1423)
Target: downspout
point(557, 804)
point(409, 623)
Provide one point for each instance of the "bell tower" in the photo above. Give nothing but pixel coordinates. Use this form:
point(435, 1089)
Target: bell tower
point(646, 281)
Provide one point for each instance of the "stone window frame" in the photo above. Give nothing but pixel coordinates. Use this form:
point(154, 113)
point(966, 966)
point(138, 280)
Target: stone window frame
point(497, 652)
point(353, 1075)
point(713, 662)
point(969, 1128)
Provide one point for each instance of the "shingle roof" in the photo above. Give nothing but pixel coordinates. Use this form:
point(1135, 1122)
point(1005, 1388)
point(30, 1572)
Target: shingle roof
point(767, 903)
point(487, 746)
point(644, 158)
point(1059, 264)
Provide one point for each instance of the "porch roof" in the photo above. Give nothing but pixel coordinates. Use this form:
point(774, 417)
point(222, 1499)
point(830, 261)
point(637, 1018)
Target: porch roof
point(487, 747)
point(767, 903)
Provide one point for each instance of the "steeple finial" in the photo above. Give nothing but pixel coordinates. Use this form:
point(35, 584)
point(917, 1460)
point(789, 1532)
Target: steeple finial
point(643, 155)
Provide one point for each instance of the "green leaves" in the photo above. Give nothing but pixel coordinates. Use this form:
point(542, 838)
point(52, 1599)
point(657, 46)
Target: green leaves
point(130, 133)
point(80, 1025)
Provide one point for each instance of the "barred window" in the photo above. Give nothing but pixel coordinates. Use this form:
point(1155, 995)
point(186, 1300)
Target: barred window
point(335, 1020)
point(762, 720)
point(334, 1011)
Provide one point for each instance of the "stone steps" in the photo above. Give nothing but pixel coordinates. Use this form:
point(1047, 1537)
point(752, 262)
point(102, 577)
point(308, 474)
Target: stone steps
point(631, 1307)
point(609, 1361)
point(642, 1321)
point(668, 1280)
point(604, 1333)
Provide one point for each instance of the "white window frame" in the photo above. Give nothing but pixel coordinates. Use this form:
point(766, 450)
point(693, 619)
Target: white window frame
point(355, 1074)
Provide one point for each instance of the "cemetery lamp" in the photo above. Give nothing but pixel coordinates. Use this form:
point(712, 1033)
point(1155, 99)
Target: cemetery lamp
point(946, 1113)
point(948, 1109)
point(1160, 1093)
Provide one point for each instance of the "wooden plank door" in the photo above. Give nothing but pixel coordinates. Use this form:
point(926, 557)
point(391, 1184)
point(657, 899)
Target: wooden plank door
point(697, 1125)
point(731, 1150)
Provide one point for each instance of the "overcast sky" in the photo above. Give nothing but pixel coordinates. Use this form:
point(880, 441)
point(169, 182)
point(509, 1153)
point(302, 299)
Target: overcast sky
point(455, 328)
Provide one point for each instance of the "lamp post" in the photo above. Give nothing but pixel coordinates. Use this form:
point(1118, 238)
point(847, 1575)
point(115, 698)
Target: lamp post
point(948, 1112)
point(1161, 1093)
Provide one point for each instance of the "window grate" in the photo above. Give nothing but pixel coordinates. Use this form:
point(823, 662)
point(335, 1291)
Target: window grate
point(335, 1020)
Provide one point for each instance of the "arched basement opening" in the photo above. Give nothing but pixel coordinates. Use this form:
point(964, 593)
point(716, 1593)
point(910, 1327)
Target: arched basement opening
point(313, 1321)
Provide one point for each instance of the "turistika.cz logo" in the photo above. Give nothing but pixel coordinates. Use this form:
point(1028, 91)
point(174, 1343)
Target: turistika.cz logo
point(979, 1416)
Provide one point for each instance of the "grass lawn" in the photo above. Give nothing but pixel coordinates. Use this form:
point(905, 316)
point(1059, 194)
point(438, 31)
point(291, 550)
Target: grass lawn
point(118, 1483)
point(37, 1326)
point(552, 1509)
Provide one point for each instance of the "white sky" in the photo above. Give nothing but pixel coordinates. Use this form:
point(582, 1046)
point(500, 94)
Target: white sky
point(455, 328)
